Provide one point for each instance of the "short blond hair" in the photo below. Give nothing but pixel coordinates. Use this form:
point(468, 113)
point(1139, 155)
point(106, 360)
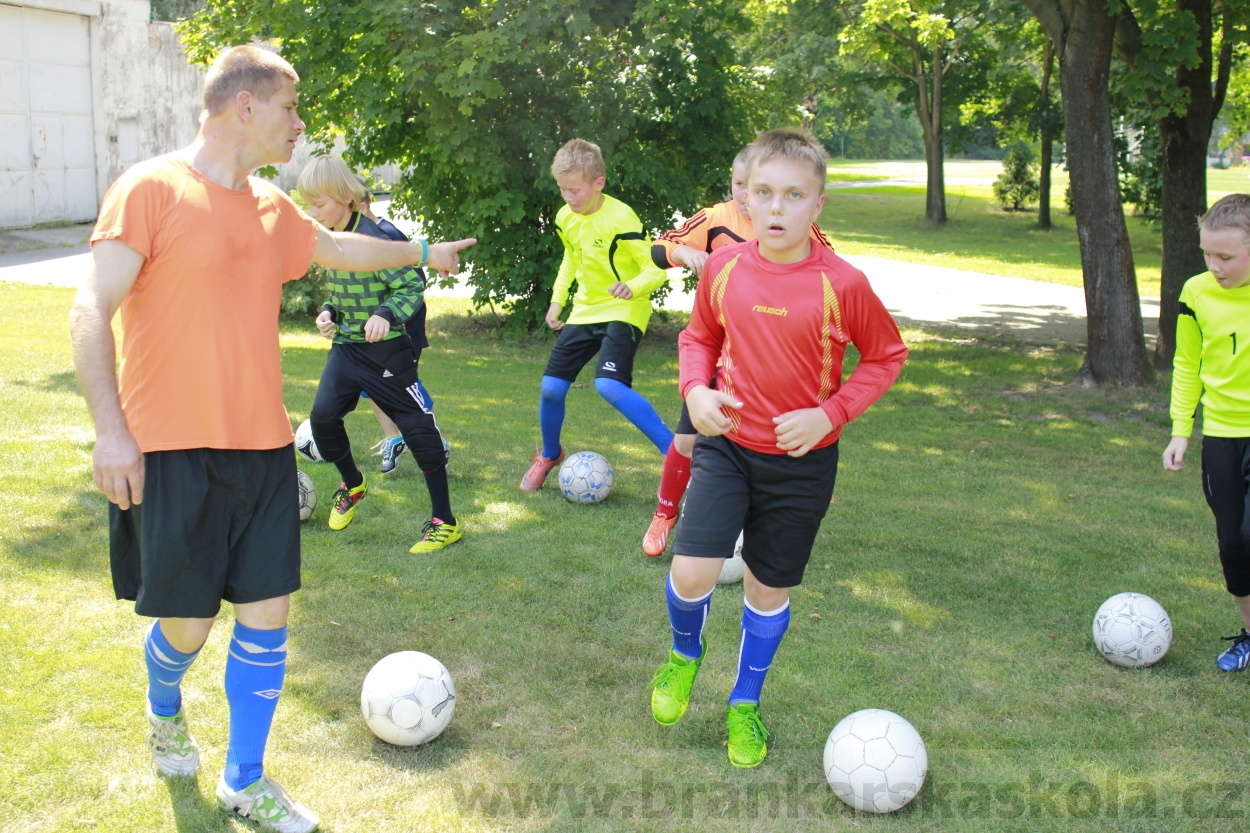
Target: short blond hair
point(789, 143)
point(1232, 211)
point(579, 156)
point(329, 176)
point(240, 68)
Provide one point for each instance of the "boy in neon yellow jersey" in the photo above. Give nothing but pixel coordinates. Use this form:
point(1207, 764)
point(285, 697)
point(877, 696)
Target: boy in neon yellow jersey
point(1212, 366)
point(607, 252)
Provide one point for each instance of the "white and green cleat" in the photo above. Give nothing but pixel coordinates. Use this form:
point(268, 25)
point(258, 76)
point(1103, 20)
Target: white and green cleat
point(267, 804)
point(174, 751)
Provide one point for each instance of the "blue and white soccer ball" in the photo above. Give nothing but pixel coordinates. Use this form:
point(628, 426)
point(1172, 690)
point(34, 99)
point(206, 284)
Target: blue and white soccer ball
point(305, 446)
point(1132, 630)
point(875, 761)
point(586, 477)
point(408, 698)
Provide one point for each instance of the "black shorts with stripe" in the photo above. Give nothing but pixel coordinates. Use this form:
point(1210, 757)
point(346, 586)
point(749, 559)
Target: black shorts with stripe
point(214, 524)
point(616, 342)
point(775, 500)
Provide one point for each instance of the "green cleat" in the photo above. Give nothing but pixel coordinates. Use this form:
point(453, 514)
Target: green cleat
point(746, 735)
point(670, 687)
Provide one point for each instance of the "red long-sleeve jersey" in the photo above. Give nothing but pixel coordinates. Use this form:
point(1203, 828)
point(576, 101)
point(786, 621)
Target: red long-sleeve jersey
point(780, 333)
point(710, 229)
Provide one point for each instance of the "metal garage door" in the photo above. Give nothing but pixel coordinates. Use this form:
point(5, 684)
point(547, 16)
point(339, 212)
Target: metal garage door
point(47, 158)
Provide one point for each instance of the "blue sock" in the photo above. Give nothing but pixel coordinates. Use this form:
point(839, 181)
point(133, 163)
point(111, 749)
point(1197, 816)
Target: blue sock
point(761, 635)
point(635, 408)
point(254, 673)
point(166, 668)
point(551, 414)
point(687, 619)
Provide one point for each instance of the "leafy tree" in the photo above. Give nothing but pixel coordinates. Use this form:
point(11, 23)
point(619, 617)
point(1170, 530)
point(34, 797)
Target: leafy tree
point(1083, 32)
point(1180, 53)
point(471, 101)
point(1017, 185)
point(922, 42)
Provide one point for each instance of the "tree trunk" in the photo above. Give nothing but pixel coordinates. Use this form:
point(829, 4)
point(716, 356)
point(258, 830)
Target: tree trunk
point(1083, 33)
point(1048, 140)
point(929, 110)
point(1184, 139)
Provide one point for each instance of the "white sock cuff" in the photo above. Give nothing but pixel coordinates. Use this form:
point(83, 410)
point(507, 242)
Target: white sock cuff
point(759, 612)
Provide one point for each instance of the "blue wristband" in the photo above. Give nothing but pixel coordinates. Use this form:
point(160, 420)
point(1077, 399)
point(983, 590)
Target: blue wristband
point(425, 251)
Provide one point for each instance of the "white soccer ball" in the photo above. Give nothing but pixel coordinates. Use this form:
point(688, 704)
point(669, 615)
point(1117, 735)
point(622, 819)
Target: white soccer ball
point(1132, 630)
point(305, 445)
point(733, 569)
point(875, 761)
point(408, 698)
point(586, 477)
point(307, 496)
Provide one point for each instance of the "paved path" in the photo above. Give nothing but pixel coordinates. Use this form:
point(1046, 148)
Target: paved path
point(919, 295)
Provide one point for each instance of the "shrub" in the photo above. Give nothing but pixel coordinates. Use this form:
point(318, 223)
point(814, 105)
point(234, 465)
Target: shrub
point(1017, 185)
point(307, 295)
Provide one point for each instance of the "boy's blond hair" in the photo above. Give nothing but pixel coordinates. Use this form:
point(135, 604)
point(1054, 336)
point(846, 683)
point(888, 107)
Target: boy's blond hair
point(239, 68)
point(329, 176)
point(789, 143)
point(579, 156)
point(742, 157)
point(1232, 211)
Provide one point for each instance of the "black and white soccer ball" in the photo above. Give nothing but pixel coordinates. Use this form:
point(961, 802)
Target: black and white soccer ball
point(307, 496)
point(1132, 630)
point(586, 477)
point(875, 761)
point(305, 446)
point(408, 698)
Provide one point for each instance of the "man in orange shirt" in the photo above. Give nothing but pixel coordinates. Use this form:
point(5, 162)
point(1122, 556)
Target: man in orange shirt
point(193, 444)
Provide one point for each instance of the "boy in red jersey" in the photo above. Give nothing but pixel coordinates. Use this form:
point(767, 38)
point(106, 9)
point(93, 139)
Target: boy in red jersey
point(723, 224)
point(777, 313)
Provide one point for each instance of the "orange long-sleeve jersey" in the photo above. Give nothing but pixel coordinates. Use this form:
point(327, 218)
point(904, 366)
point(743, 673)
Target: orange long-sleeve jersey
point(780, 333)
point(710, 229)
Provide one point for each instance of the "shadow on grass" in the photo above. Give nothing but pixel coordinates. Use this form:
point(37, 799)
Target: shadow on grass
point(192, 812)
point(65, 382)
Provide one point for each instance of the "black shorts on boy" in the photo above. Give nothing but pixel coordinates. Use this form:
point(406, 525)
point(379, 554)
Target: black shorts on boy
point(616, 342)
point(777, 501)
point(1226, 484)
point(215, 524)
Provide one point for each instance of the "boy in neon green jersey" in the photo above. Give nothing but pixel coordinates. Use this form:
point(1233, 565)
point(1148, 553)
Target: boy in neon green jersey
point(1212, 366)
point(608, 254)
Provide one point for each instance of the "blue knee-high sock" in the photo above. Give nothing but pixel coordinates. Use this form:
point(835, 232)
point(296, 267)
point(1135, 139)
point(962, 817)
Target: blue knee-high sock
point(761, 634)
point(254, 673)
point(551, 414)
point(687, 618)
point(166, 668)
point(635, 408)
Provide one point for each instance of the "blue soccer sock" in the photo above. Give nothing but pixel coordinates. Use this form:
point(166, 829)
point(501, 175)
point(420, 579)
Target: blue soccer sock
point(254, 673)
point(551, 414)
point(635, 408)
point(687, 618)
point(761, 635)
point(166, 668)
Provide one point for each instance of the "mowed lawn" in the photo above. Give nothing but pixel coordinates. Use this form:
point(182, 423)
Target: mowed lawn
point(985, 508)
point(887, 220)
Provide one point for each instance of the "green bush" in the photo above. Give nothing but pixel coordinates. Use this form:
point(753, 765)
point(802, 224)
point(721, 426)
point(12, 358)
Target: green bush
point(1017, 185)
point(307, 295)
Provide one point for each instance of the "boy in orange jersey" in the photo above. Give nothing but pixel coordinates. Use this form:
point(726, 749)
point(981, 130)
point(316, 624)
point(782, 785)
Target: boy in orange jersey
point(689, 245)
point(776, 314)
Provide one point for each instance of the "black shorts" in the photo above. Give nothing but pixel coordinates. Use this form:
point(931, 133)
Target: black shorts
point(615, 341)
point(775, 500)
point(214, 524)
point(1226, 484)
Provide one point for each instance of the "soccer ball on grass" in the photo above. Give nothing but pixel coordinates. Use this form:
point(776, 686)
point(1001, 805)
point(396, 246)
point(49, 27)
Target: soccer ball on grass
point(305, 446)
point(408, 698)
point(307, 496)
point(586, 477)
point(1132, 630)
point(875, 761)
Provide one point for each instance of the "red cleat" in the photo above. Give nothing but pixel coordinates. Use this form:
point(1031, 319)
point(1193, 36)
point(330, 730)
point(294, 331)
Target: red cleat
point(656, 540)
point(537, 474)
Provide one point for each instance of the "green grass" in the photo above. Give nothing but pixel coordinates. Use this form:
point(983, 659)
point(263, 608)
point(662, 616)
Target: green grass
point(985, 508)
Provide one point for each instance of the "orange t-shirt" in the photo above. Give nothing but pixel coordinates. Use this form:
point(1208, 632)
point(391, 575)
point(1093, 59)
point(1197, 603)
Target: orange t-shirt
point(200, 361)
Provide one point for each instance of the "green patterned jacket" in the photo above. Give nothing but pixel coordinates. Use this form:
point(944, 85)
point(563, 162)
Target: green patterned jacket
point(394, 294)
